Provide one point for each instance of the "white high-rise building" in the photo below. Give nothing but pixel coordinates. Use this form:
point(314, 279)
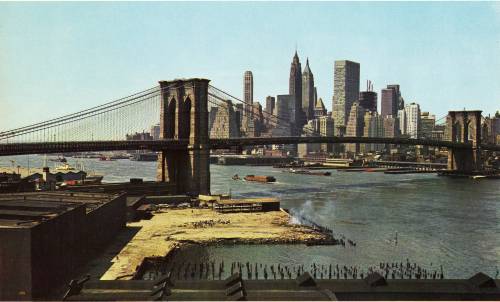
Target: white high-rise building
point(402, 121)
point(412, 113)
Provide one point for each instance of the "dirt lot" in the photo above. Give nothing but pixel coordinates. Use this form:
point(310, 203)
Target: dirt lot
point(171, 228)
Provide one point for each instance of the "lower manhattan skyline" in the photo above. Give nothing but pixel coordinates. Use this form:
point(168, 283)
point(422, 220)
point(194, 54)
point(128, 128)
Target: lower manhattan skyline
point(444, 56)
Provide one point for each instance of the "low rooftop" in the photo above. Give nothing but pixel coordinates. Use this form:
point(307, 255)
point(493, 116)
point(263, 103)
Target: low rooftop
point(24, 210)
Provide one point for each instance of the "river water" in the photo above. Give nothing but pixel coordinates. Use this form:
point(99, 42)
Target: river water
point(440, 221)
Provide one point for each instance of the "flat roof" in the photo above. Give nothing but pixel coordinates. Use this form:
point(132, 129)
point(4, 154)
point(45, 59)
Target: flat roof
point(24, 210)
point(18, 213)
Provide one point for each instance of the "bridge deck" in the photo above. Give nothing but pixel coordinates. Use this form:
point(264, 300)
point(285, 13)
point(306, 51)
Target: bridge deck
point(172, 145)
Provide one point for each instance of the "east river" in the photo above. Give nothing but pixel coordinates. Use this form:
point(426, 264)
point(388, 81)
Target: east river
point(439, 221)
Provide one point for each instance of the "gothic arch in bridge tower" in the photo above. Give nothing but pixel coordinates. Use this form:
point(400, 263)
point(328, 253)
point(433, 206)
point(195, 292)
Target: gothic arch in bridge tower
point(185, 118)
point(470, 137)
point(170, 119)
point(456, 135)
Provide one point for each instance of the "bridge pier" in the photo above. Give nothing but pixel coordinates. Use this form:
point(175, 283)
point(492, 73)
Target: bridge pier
point(184, 116)
point(465, 127)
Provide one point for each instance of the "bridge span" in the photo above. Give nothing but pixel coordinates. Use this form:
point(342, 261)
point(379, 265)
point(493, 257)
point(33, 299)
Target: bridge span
point(214, 144)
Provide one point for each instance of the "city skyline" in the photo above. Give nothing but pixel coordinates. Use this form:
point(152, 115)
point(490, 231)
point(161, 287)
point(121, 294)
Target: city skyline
point(439, 65)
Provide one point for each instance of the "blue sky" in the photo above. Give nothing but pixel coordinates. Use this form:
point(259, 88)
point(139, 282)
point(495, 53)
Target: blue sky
point(57, 58)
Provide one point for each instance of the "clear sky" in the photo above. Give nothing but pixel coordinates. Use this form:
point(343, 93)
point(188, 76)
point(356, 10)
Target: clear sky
point(57, 58)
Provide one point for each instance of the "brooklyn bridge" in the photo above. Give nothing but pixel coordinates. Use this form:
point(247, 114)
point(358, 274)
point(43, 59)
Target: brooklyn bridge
point(182, 109)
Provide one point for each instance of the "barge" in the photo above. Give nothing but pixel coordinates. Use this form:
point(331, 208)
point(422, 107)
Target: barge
point(307, 172)
point(260, 178)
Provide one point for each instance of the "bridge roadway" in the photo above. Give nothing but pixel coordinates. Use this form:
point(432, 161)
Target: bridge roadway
point(176, 144)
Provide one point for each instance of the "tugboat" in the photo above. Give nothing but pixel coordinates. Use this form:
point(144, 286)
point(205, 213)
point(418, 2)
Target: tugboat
point(260, 178)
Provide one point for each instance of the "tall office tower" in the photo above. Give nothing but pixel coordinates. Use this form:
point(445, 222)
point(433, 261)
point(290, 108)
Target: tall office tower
point(248, 87)
point(248, 99)
point(345, 91)
point(389, 103)
point(427, 123)
point(295, 89)
point(270, 103)
point(412, 112)
point(308, 92)
point(355, 126)
point(225, 123)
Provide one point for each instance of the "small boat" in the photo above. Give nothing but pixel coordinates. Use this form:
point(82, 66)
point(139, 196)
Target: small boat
point(260, 178)
point(59, 159)
point(236, 177)
point(106, 158)
point(93, 179)
point(478, 176)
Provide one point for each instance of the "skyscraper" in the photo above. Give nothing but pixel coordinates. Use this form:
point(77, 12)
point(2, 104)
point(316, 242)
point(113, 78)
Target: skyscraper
point(225, 124)
point(326, 128)
point(248, 87)
point(390, 101)
point(248, 99)
point(427, 123)
point(270, 103)
point(373, 127)
point(412, 112)
point(355, 126)
point(308, 92)
point(345, 90)
point(400, 100)
point(368, 98)
point(282, 113)
point(391, 126)
point(295, 90)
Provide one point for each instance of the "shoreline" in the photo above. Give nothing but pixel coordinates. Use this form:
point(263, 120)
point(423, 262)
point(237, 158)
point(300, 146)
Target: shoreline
point(171, 230)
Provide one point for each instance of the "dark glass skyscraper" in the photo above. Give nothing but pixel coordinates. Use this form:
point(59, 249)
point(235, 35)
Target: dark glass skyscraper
point(391, 101)
point(368, 100)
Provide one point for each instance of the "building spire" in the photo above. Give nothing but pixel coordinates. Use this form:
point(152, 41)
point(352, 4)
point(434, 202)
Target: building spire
point(307, 69)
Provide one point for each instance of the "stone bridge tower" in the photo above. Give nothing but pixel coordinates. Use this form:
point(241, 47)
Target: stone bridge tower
point(184, 116)
point(464, 127)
